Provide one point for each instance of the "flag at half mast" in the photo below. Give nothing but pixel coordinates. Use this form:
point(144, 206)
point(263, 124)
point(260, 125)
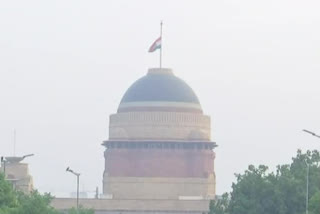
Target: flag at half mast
point(156, 45)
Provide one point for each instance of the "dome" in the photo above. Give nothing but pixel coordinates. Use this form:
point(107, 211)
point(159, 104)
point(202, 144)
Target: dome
point(159, 88)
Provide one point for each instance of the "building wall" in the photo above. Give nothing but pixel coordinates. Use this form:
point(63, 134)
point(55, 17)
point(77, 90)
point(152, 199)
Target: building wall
point(154, 162)
point(159, 125)
point(163, 155)
point(18, 175)
point(106, 206)
point(159, 188)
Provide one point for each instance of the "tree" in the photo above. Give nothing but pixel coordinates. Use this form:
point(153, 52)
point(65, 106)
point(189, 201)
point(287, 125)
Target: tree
point(314, 204)
point(35, 203)
point(14, 202)
point(280, 192)
point(8, 199)
point(220, 206)
point(254, 193)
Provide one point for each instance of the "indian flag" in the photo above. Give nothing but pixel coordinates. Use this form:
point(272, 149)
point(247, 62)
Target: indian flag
point(156, 45)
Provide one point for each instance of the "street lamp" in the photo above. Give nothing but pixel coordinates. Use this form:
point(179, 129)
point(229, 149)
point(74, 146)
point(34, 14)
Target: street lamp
point(25, 156)
point(78, 175)
point(312, 133)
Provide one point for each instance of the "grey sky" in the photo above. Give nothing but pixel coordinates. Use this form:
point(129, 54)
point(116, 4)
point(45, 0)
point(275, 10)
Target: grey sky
point(64, 66)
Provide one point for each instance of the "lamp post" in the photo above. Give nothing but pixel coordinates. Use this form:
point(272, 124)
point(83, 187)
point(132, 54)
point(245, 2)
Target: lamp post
point(78, 175)
point(307, 194)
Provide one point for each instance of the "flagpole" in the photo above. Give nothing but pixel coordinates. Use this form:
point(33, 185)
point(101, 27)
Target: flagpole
point(161, 44)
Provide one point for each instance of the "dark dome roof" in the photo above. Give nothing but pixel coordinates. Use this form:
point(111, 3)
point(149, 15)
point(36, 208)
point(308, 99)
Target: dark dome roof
point(160, 85)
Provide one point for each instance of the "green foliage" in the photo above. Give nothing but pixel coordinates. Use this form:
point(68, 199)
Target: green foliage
point(8, 198)
point(14, 202)
point(219, 206)
point(34, 203)
point(282, 192)
point(254, 192)
point(81, 210)
point(314, 204)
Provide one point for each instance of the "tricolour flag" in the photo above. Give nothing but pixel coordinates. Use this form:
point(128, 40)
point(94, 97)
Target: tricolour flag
point(156, 45)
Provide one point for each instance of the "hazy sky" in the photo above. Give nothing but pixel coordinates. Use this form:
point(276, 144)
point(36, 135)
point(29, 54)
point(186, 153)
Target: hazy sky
point(64, 66)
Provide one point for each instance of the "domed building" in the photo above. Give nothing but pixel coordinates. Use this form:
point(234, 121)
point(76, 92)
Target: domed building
point(159, 143)
point(159, 157)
